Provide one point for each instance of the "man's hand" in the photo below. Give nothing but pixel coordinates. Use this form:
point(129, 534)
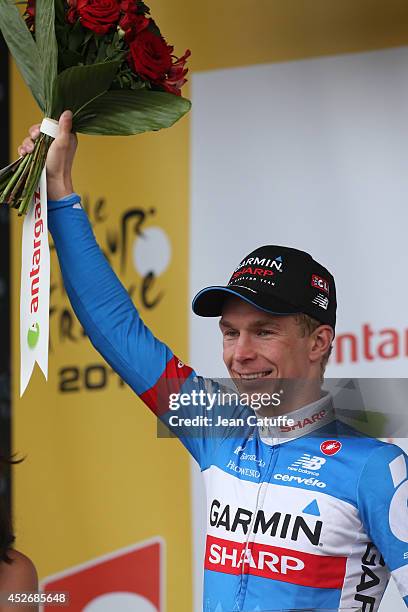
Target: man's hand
point(60, 156)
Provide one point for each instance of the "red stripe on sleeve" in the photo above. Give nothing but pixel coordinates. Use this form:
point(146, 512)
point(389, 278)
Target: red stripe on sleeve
point(171, 381)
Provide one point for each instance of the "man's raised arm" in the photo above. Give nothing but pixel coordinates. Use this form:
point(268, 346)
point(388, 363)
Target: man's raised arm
point(99, 299)
point(101, 302)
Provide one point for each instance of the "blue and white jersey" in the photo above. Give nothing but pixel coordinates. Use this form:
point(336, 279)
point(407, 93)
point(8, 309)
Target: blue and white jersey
point(313, 521)
point(311, 517)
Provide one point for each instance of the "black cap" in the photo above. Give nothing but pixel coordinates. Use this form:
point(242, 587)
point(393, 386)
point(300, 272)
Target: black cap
point(279, 280)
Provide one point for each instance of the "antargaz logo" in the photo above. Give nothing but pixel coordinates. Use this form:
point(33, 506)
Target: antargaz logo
point(33, 335)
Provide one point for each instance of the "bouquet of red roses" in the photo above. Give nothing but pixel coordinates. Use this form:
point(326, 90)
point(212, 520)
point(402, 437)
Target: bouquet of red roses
point(105, 60)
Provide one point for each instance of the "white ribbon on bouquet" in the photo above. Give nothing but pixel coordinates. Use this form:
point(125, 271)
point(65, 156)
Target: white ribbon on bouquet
point(35, 280)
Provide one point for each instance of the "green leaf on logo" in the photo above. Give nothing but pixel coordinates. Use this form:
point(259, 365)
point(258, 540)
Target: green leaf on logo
point(33, 335)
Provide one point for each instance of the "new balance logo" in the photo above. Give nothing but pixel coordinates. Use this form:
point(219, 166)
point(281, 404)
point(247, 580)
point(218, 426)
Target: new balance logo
point(309, 462)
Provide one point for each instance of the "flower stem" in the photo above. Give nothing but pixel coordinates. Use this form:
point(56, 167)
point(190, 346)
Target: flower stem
point(15, 176)
point(3, 184)
point(19, 186)
point(34, 174)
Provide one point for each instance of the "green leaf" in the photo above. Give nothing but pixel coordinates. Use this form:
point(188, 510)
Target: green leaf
point(76, 36)
point(70, 58)
point(88, 36)
point(78, 86)
point(59, 13)
point(47, 47)
point(124, 112)
point(62, 36)
point(23, 48)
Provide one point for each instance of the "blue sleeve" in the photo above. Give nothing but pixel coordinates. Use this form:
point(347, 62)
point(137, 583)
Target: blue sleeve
point(383, 504)
point(114, 326)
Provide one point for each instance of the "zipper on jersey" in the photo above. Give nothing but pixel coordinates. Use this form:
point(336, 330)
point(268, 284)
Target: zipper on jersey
point(262, 489)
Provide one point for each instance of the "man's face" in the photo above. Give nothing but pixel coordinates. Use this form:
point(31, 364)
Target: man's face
point(259, 347)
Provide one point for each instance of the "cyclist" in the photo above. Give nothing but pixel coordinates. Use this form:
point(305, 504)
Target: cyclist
point(309, 514)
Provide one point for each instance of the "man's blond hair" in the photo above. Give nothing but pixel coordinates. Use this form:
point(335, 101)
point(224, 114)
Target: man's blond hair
point(307, 326)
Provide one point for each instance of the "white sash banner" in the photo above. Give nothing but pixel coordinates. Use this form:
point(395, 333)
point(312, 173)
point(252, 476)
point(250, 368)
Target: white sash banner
point(35, 287)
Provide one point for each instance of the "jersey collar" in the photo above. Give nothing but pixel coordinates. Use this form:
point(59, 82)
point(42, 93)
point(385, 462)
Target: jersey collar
point(307, 419)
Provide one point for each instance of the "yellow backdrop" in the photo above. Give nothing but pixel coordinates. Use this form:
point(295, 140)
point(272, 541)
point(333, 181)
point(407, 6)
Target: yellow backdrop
point(96, 478)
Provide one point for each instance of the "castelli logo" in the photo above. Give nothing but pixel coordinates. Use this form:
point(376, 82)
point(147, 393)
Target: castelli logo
point(330, 447)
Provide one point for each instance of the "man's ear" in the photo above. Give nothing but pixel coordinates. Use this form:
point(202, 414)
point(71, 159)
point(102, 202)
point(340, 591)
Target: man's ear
point(321, 340)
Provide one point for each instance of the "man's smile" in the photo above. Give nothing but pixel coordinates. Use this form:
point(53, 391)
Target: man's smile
point(251, 375)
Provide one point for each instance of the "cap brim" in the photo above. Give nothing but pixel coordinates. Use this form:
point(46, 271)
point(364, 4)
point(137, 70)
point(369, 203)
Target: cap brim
point(209, 302)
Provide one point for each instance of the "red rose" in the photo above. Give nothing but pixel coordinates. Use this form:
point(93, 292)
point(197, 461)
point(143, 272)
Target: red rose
point(175, 78)
point(133, 24)
point(72, 13)
point(129, 6)
point(150, 56)
point(29, 14)
point(100, 16)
